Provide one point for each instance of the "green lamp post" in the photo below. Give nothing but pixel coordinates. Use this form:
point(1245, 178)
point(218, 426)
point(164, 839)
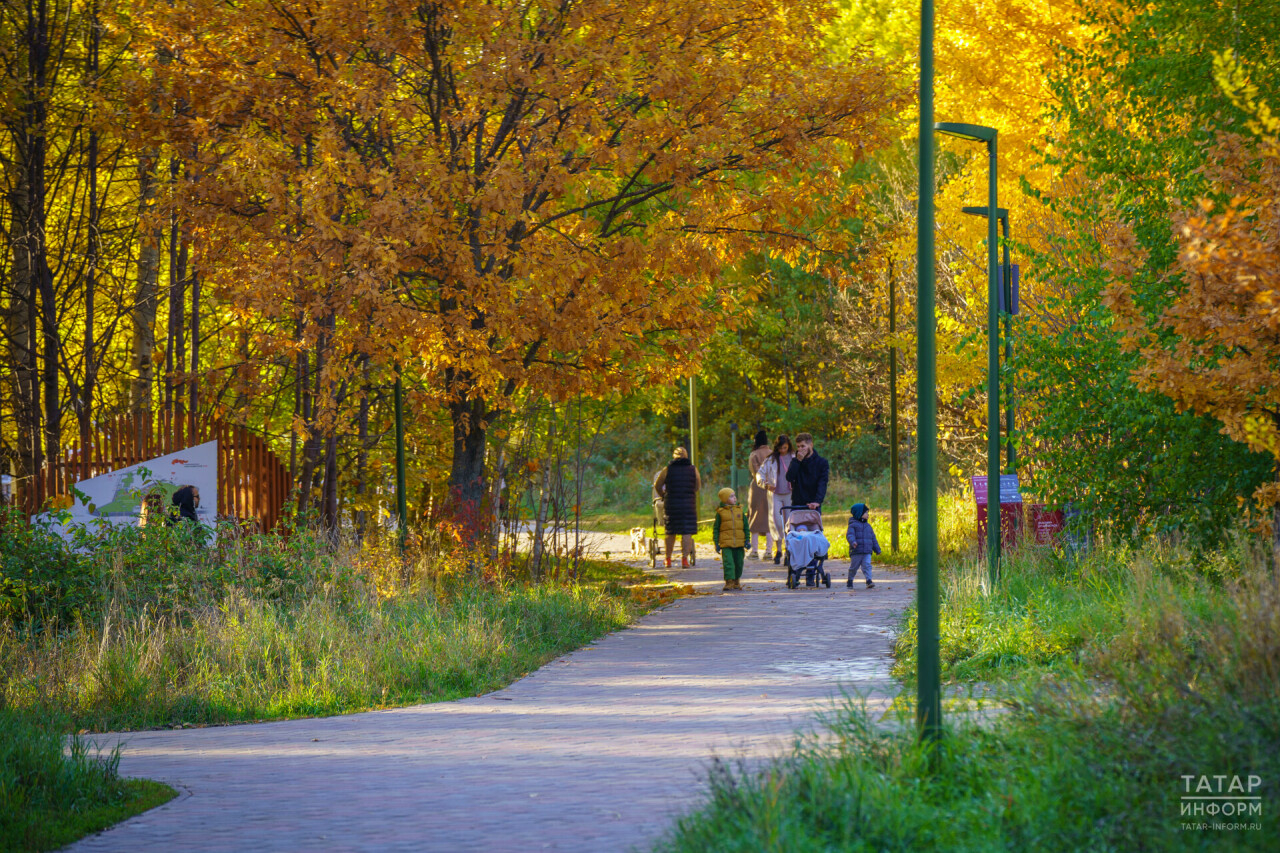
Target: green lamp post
point(893, 415)
point(733, 456)
point(928, 682)
point(979, 133)
point(1006, 285)
point(693, 432)
point(402, 507)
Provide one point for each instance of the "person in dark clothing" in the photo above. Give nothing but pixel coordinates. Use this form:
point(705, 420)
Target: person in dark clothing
point(185, 501)
point(808, 474)
point(678, 484)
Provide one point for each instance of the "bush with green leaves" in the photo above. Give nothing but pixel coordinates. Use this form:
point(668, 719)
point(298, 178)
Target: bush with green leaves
point(42, 581)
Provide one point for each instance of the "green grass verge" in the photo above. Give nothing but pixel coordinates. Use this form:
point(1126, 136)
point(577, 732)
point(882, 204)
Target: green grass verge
point(143, 628)
point(243, 658)
point(49, 796)
point(1120, 676)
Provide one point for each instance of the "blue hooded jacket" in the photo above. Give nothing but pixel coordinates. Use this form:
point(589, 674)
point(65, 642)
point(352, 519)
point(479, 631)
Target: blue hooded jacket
point(860, 536)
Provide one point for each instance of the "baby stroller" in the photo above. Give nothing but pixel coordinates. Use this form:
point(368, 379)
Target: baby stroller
point(807, 547)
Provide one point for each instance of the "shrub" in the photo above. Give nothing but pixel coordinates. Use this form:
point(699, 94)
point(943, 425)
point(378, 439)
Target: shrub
point(42, 581)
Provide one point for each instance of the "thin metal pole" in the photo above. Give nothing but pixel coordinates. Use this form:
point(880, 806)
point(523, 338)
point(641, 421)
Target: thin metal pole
point(993, 373)
point(928, 687)
point(893, 414)
point(402, 511)
point(733, 451)
point(1011, 460)
point(693, 431)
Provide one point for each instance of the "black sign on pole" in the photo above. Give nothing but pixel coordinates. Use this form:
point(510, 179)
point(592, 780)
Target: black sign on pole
point(1000, 281)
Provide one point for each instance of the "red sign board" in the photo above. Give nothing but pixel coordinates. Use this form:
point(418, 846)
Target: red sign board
point(1046, 523)
point(1010, 508)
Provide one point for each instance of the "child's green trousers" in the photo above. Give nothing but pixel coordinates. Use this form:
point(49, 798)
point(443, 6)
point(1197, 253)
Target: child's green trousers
point(732, 558)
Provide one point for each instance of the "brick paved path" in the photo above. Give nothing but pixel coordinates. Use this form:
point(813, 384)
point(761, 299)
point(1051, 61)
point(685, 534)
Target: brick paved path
point(596, 751)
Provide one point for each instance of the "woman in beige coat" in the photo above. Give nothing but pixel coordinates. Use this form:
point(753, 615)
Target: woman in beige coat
point(760, 505)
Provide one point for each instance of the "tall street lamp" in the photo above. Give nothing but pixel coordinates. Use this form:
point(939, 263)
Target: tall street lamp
point(979, 133)
point(733, 456)
point(928, 682)
point(1006, 287)
point(893, 413)
point(402, 505)
point(693, 431)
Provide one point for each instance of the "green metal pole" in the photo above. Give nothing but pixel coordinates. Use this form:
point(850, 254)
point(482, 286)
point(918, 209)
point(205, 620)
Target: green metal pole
point(993, 374)
point(402, 511)
point(1011, 460)
point(733, 452)
point(893, 416)
point(693, 431)
point(928, 686)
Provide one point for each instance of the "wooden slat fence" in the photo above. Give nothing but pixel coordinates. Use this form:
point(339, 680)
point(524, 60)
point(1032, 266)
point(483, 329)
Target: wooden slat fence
point(252, 481)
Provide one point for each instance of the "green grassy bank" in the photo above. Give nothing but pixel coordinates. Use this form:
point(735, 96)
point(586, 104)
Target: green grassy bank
point(1117, 677)
point(49, 796)
point(151, 628)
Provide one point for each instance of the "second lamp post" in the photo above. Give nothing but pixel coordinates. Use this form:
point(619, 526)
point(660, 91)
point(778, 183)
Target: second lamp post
point(979, 133)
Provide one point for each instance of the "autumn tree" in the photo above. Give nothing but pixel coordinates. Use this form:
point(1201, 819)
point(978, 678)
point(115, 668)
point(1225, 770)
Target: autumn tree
point(1215, 348)
point(504, 195)
point(67, 223)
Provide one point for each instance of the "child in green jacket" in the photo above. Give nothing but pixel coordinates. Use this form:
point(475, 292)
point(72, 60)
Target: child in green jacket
point(729, 535)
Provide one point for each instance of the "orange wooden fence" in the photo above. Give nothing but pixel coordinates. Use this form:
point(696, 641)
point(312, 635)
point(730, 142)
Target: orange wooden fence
point(252, 481)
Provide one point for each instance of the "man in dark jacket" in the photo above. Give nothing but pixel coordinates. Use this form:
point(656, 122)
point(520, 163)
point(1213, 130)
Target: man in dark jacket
point(808, 474)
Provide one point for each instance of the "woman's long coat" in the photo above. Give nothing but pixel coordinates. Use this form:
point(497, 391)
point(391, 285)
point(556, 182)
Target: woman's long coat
point(760, 497)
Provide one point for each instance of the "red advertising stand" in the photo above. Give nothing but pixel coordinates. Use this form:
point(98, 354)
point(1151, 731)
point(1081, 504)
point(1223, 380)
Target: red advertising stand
point(1047, 524)
point(1010, 509)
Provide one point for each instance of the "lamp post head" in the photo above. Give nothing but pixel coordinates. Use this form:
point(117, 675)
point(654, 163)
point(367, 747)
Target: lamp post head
point(1001, 212)
point(733, 426)
point(972, 132)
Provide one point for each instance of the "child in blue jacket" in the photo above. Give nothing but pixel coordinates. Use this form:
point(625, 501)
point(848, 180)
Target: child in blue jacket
point(862, 544)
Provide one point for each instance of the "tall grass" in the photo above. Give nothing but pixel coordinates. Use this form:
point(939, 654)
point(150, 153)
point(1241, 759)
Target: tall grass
point(1123, 674)
point(243, 658)
point(1051, 610)
point(152, 628)
point(148, 627)
point(50, 796)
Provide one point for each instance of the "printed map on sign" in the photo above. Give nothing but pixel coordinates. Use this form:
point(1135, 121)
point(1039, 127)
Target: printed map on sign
point(117, 497)
point(1009, 489)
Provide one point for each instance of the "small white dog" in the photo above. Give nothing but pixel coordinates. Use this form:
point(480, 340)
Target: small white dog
point(639, 542)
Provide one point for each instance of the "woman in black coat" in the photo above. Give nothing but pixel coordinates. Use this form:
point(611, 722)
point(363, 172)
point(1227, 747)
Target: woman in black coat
point(679, 484)
point(185, 501)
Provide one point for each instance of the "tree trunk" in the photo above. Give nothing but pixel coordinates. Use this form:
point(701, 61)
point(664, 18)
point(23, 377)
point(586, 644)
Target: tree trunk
point(466, 477)
point(20, 327)
point(193, 386)
point(84, 404)
point(362, 454)
point(176, 351)
point(145, 301)
point(311, 444)
point(31, 226)
point(329, 507)
point(538, 545)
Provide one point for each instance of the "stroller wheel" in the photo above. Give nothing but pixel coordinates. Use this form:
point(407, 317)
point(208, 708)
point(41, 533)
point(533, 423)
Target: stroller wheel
point(826, 580)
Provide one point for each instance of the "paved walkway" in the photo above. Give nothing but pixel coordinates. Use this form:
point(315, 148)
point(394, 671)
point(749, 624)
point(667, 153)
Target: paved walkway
point(596, 751)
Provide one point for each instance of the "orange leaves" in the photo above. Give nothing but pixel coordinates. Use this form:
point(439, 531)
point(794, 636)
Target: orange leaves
point(507, 194)
point(1216, 347)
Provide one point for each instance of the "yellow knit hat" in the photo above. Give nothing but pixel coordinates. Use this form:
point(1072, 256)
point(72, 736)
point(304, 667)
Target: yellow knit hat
point(725, 494)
